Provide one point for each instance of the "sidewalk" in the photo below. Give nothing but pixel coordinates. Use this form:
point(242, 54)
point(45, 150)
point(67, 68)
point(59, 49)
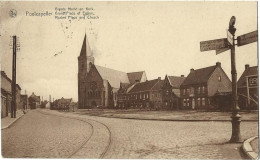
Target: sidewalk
point(8, 121)
point(168, 115)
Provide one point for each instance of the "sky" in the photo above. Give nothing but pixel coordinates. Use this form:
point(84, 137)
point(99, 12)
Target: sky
point(156, 37)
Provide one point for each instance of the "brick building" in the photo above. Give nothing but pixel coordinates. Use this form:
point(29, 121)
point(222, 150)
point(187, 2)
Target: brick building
point(171, 92)
point(61, 104)
point(97, 85)
point(201, 84)
point(247, 88)
point(141, 95)
point(34, 101)
point(6, 95)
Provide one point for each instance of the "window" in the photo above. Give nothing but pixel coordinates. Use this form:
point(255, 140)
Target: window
point(188, 102)
point(198, 102)
point(203, 101)
point(147, 96)
point(167, 93)
point(184, 91)
point(184, 102)
point(219, 78)
point(198, 90)
point(203, 89)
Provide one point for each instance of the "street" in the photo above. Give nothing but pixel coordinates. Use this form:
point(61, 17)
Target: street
point(53, 134)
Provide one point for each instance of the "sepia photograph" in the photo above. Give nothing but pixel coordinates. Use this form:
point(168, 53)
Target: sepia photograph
point(129, 79)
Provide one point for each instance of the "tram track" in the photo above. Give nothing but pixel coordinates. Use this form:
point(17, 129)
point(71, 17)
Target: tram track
point(102, 155)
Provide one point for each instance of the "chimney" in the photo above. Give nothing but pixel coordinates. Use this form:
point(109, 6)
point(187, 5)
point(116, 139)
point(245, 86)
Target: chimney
point(50, 98)
point(191, 70)
point(182, 75)
point(246, 66)
point(218, 64)
point(159, 78)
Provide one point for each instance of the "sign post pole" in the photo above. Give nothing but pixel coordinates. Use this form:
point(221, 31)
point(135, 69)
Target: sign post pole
point(236, 137)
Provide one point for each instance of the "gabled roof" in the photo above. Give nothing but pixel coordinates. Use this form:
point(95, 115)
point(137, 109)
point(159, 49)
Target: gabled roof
point(248, 72)
point(175, 81)
point(4, 75)
point(85, 49)
point(133, 76)
point(65, 100)
point(145, 86)
point(199, 76)
point(114, 77)
point(35, 98)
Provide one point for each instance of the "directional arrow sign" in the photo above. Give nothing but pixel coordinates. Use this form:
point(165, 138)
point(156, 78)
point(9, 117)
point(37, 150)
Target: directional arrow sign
point(218, 51)
point(213, 44)
point(247, 38)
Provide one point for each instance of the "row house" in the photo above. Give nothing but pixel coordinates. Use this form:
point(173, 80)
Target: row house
point(201, 84)
point(247, 88)
point(34, 101)
point(146, 94)
point(6, 95)
point(61, 104)
point(171, 92)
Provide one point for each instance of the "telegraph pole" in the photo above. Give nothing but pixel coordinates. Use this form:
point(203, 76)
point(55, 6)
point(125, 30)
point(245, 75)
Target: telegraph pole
point(13, 106)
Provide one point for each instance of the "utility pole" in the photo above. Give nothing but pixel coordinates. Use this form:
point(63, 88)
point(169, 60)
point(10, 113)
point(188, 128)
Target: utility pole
point(13, 106)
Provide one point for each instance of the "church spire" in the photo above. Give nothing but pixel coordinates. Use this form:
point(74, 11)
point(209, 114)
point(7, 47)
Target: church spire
point(85, 49)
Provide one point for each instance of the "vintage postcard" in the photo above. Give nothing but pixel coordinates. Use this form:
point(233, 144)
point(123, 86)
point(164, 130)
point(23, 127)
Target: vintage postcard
point(129, 80)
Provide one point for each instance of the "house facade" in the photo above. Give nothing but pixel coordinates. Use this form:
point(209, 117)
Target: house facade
point(97, 85)
point(247, 88)
point(61, 104)
point(34, 101)
point(171, 92)
point(142, 95)
point(6, 95)
point(201, 84)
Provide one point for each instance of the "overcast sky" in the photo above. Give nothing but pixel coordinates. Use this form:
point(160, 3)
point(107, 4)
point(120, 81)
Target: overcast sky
point(157, 37)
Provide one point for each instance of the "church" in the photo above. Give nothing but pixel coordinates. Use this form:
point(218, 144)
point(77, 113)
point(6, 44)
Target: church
point(97, 85)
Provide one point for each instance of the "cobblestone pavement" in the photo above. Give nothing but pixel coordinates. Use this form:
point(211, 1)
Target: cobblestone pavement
point(39, 135)
point(159, 139)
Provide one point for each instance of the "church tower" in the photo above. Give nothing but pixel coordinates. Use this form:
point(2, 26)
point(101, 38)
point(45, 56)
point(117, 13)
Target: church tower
point(85, 60)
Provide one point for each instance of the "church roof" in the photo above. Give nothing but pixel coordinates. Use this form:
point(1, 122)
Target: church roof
point(114, 77)
point(133, 76)
point(248, 72)
point(85, 49)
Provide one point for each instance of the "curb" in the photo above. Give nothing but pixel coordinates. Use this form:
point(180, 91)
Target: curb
point(247, 148)
point(154, 119)
point(12, 122)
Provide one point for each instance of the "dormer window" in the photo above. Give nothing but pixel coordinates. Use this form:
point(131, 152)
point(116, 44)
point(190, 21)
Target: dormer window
point(219, 78)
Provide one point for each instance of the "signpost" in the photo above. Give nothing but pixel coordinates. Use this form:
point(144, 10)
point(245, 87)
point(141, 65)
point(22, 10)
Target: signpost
point(247, 38)
point(218, 51)
point(222, 45)
point(213, 44)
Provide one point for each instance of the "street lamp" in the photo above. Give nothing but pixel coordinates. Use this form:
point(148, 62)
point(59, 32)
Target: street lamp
point(236, 137)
